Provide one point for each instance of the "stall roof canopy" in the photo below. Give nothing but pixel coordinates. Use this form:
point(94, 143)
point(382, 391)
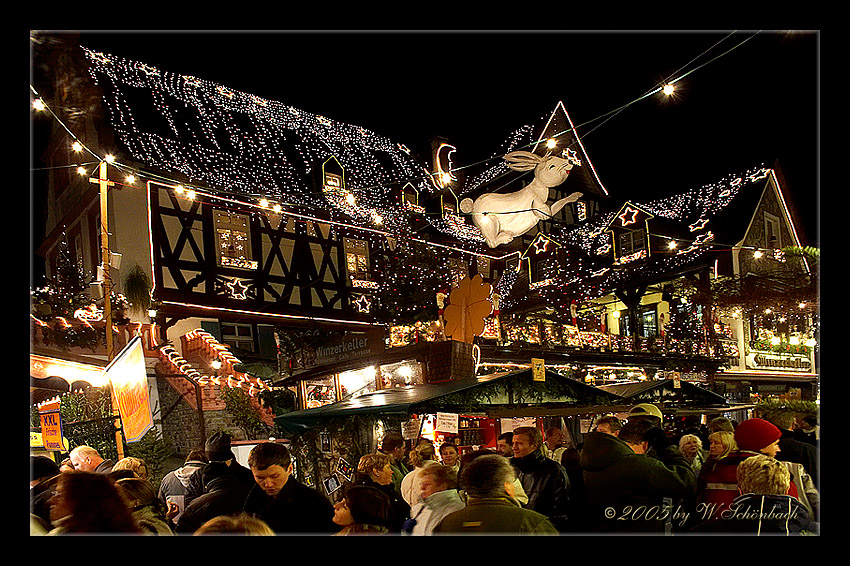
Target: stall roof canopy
point(485, 394)
point(664, 392)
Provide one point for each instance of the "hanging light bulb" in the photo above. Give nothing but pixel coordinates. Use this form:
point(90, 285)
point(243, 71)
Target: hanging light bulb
point(38, 104)
point(77, 146)
point(668, 89)
point(81, 170)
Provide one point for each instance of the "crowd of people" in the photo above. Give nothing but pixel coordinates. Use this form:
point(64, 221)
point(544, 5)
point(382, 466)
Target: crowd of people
point(757, 477)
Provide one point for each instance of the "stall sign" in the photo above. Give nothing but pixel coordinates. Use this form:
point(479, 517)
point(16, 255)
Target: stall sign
point(762, 360)
point(447, 422)
point(410, 429)
point(129, 380)
point(677, 380)
point(508, 425)
point(51, 426)
point(538, 369)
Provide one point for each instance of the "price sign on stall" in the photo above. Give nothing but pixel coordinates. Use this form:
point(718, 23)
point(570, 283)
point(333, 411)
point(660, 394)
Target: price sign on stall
point(51, 425)
point(447, 422)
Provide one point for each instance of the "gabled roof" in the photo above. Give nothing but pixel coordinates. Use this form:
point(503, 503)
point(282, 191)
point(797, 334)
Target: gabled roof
point(556, 125)
point(512, 389)
point(560, 127)
point(664, 391)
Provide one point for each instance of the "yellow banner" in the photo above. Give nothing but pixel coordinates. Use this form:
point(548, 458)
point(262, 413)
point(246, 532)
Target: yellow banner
point(129, 380)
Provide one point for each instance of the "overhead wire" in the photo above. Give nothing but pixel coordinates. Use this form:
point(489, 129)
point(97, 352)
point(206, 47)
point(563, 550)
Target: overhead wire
point(430, 176)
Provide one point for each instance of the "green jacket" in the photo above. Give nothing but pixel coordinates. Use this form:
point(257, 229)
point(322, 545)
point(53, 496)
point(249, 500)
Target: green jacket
point(626, 491)
point(495, 515)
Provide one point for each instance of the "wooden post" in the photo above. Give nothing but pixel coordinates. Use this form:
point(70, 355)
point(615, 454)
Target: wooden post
point(105, 183)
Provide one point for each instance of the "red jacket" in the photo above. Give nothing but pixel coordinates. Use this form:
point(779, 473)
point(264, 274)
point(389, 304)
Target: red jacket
point(717, 485)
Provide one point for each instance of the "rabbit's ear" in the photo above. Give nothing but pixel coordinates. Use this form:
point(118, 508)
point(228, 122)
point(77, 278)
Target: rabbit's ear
point(523, 160)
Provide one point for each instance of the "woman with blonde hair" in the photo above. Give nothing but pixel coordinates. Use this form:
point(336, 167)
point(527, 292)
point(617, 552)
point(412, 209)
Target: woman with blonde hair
point(136, 465)
point(423, 455)
point(690, 445)
point(375, 470)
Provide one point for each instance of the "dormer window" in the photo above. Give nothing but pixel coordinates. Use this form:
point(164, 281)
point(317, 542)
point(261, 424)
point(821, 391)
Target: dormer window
point(632, 242)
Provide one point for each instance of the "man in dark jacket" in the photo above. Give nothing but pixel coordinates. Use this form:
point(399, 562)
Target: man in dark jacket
point(544, 480)
point(490, 507)
point(278, 499)
point(222, 461)
point(225, 495)
point(626, 488)
point(793, 450)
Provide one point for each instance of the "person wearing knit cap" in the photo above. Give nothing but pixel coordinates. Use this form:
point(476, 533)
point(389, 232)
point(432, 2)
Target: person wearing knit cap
point(222, 461)
point(758, 435)
point(719, 487)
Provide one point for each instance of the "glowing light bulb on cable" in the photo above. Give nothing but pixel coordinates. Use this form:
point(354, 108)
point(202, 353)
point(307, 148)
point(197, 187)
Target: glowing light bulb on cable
point(81, 170)
point(551, 143)
point(277, 208)
point(109, 158)
point(38, 104)
point(131, 179)
point(77, 146)
point(668, 89)
point(264, 203)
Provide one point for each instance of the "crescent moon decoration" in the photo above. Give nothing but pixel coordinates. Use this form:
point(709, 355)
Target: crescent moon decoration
point(469, 304)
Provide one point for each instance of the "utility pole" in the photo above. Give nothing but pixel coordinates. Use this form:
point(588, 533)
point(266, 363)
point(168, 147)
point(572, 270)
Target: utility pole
point(105, 183)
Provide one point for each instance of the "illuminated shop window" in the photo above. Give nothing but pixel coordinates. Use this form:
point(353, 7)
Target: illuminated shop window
point(357, 382)
point(320, 392)
point(233, 239)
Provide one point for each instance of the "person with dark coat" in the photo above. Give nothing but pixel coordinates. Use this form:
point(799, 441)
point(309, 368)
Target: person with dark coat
point(280, 500)
point(626, 488)
point(222, 461)
point(544, 480)
point(225, 496)
point(375, 470)
point(488, 482)
point(794, 450)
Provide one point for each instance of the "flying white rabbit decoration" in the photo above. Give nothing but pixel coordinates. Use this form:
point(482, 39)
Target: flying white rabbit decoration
point(502, 217)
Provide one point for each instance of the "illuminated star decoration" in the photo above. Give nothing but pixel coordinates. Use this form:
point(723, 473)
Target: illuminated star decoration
point(626, 221)
point(363, 304)
point(237, 289)
point(571, 156)
point(541, 245)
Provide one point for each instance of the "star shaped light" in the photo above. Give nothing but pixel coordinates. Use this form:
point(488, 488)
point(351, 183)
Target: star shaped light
point(237, 289)
point(571, 156)
point(629, 211)
point(363, 304)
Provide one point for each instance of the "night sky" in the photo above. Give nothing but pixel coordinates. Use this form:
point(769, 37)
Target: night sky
point(748, 98)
